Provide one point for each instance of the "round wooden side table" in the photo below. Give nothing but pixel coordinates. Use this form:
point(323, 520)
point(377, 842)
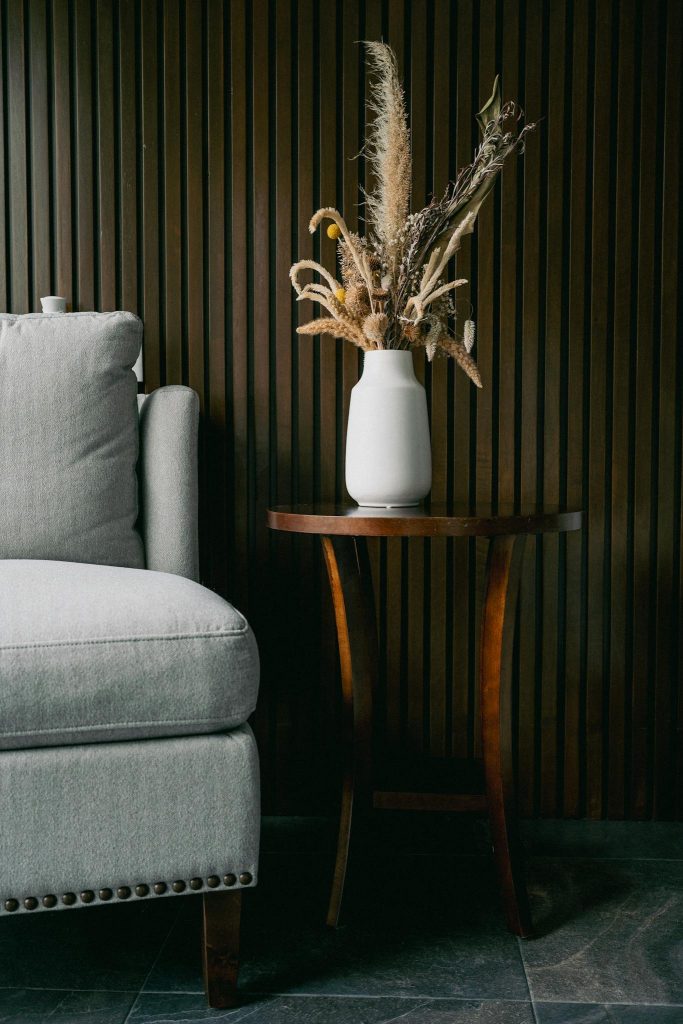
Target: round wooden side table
point(343, 530)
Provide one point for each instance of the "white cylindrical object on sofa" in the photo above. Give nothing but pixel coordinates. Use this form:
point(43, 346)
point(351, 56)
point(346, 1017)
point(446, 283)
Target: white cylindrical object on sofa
point(388, 450)
point(53, 304)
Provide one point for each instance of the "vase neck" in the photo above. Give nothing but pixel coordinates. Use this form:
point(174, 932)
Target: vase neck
point(388, 364)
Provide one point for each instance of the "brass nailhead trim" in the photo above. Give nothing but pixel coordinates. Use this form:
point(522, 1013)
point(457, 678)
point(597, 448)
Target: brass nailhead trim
point(124, 891)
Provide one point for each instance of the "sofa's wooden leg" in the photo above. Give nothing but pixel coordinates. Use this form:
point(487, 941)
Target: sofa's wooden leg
point(221, 947)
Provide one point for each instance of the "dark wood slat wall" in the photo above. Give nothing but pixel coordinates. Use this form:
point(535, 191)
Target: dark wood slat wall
point(165, 157)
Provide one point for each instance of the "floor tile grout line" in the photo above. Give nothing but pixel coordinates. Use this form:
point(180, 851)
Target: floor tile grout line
point(603, 1002)
point(162, 947)
point(339, 995)
point(350, 995)
point(58, 988)
point(526, 974)
point(392, 1020)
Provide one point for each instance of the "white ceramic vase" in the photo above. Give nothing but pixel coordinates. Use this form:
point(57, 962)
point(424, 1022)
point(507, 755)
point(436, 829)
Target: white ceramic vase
point(388, 451)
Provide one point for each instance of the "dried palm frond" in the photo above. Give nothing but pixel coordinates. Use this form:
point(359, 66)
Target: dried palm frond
point(436, 267)
point(387, 150)
point(427, 230)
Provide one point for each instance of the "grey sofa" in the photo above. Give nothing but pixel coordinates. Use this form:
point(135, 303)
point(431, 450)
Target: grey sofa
point(127, 768)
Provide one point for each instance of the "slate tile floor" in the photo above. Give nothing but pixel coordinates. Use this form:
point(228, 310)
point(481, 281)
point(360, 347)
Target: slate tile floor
point(422, 941)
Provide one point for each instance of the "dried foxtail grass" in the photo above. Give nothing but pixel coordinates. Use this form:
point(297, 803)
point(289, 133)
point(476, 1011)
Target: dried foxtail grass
point(398, 282)
point(338, 329)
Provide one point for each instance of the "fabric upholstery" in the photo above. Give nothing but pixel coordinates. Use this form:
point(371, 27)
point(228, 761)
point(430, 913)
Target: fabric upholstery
point(91, 653)
point(123, 814)
point(167, 471)
point(69, 437)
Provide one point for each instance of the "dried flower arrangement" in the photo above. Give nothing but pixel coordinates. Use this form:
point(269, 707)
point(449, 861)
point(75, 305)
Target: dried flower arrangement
point(394, 291)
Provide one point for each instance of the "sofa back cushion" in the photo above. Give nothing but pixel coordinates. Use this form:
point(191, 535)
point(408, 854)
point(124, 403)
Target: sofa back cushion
point(69, 438)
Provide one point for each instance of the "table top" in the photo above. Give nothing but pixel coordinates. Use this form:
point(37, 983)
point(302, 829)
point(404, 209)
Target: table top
point(429, 520)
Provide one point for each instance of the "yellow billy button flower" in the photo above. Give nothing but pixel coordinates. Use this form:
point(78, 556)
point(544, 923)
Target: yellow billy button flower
point(340, 295)
point(333, 231)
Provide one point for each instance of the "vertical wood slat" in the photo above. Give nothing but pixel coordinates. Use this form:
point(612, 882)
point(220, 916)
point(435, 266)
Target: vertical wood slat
point(644, 578)
point(41, 244)
point(216, 411)
point(577, 287)
point(284, 714)
point(555, 314)
point(105, 200)
point(87, 257)
point(622, 338)
point(327, 141)
point(150, 284)
point(668, 696)
point(62, 213)
point(396, 638)
point(438, 550)
point(483, 274)
point(462, 658)
point(167, 157)
point(128, 239)
point(172, 293)
point(237, 338)
point(5, 287)
point(17, 162)
point(597, 525)
point(416, 730)
point(194, 199)
point(357, 174)
point(530, 625)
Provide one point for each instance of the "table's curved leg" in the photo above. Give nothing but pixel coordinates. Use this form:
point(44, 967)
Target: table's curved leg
point(348, 570)
point(495, 669)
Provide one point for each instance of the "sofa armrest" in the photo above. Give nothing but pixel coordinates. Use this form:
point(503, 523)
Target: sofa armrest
point(167, 474)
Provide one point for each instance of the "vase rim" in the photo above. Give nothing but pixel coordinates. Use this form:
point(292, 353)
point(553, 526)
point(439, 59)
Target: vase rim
point(388, 352)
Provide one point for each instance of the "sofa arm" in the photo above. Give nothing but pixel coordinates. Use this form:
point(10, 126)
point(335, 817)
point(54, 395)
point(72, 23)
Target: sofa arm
point(167, 473)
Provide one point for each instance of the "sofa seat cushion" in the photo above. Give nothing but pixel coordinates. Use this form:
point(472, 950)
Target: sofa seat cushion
point(91, 653)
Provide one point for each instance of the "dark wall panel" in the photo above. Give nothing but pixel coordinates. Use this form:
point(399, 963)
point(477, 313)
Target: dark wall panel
point(165, 157)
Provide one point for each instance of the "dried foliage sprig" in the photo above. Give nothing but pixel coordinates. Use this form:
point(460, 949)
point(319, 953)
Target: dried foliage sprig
point(395, 290)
